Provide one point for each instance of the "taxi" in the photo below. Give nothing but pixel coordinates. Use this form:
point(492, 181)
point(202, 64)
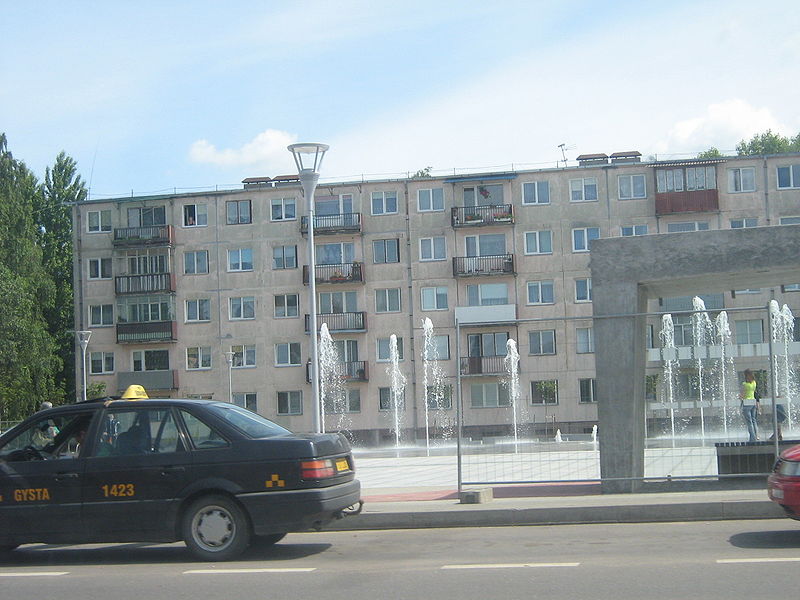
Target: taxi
point(135, 469)
point(783, 484)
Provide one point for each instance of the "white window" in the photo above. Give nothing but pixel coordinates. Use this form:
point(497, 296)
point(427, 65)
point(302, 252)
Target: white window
point(198, 310)
point(585, 340)
point(328, 206)
point(430, 200)
point(487, 344)
point(387, 400)
point(383, 346)
point(539, 242)
point(687, 226)
point(150, 360)
point(742, 180)
point(101, 315)
point(434, 248)
point(790, 220)
point(284, 257)
point(582, 237)
point(633, 230)
point(151, 216)
point(99, 268)
point(387, 300)
point(101, 363)
point(238, 212)
point(386, 251)
point(489, 244)
point(487, 294)
point(588, 391)
point(98, 221)
point(195, 215)
point(536, 192)
point(488, 395)
point(544, 392)
point(434, 298)
point(338, 253)
point(287, 355)
point(789, 177)
point(744, 223)
point(631, 187)
point(440, 349)
point(542, 343)
point(583, 190)
point(290, 403)
point(384, 203)
point(243, 307)
point(349, 402)
point(749, 331)
point(439, 397)
point(240, 259)
point(484, 195)
point(338, 302)
point(701, 178)
point(541, 292)
point(244, 356)
point(286, 305)
point(145, 262)
point(248, 400)
point(195, 263)
point(283, 209)
point(583, 290)
point(198, 358)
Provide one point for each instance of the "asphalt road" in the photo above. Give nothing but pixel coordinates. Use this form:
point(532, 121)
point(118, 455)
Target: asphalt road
point(708, 560)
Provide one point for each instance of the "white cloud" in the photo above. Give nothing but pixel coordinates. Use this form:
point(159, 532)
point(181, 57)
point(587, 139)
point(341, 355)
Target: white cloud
point(267, 150)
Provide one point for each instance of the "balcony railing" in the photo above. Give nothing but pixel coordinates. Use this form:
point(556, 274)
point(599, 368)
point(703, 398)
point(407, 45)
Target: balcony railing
point(141, 333)
point(341, 273)
point(500, 264)
point(483, 365)
point(154, 235)
point(149, 380)
point(669, 203)
point(349, 321)
point(145, 284)
point(471, 216)
point(357, 370)
point(332, 224)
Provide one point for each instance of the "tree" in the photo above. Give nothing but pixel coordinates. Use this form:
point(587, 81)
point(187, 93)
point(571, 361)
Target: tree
point(710, 153)
point(768, 143)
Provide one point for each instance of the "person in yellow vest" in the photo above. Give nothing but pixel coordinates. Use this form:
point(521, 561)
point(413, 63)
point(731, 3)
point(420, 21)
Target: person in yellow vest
point(750, 406)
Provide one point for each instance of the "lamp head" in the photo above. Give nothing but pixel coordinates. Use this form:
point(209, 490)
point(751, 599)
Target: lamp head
point(308, 156)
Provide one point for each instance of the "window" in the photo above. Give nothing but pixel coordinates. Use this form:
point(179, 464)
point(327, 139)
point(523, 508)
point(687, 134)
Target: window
point(286, 305)
point(633, 230)
point(243, 356)
point(101, 315)
point(335, 254)
point(284, 257)
point(536, 192)
point(283, 209)
point(742, 180)
point(99, 268)
point(384, 203)
point(147, 217)
point(248, 400)
point(101, 363)
point(687, 226)
point(240, 259)
point(386, 251)
point(434, 248)
point(484, 195)
point(584, 340)
point(683, 334)
point(487, 294)
point(583, 290)
point(327, 206)
point(383, 349)
point(489, 244)
point(198, 358)
point(583, 190)
point(439, 397)
point(434, 298)
point(145, 309)
point(195, 215)
point(195, 263)
point(542, 343)
point(386, 400)
point(544, 392)
point(631, 187)
point(238, 212)
point(290, 403)
point(489, 395)
point(150, 360)
point(744, 223)
point(387, 300)
point(588, 392)
point(198, 310)
point(789, 177)
point(430, 200)
point(349, 403)
point(582, 237)
point(287, 354)
point(243, 307)
point(701, 178)
point(338, 302)
point(440, 349)
point(145, 262)
point(697, 178)
point(98, 221)
point(487, 344)
point(749, 331)
point(541, 292)
point(538, 242)
point(790, 220)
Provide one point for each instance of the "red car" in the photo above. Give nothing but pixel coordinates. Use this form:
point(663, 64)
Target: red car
point(784, 482)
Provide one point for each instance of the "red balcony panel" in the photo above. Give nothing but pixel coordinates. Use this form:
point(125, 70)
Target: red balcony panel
point(670, 203)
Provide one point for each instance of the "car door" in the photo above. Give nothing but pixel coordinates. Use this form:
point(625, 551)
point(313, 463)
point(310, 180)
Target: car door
point(134, 477)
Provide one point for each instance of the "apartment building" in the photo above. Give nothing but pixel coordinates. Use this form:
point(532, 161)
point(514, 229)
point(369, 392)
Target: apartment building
point(206, 294)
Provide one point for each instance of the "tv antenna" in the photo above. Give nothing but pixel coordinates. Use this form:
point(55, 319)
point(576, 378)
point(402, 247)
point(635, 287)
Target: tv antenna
point(564, 149)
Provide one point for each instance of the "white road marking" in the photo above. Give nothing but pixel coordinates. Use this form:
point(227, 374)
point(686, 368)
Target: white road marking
point(238, 571)
point(729, 561)
point(511, 565)
point(33, 573)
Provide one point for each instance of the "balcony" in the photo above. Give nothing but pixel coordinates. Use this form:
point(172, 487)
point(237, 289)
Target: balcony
point(342, 322)
point(145, 284)
point(467, 266)
point(333, 224)
point(340, 273)
point(476, 216)
point(357, 370)
point(150, 380)
point(482, 365)
point(142, 333)
point(670, 203)
point(154, 235)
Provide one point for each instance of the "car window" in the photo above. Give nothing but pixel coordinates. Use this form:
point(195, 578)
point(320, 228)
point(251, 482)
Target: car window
point(59, 436)
point(249, 422)
point(203, 435)
point(138, 431)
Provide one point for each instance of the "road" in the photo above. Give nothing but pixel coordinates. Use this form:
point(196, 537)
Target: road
point(660, 561)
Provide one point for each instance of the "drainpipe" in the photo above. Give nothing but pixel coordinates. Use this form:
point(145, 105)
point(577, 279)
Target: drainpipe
point(411, 350)
point(766, 189)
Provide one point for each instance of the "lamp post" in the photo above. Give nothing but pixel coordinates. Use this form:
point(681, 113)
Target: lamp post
point(308, 158)
point(83, 340)
point(229, 360)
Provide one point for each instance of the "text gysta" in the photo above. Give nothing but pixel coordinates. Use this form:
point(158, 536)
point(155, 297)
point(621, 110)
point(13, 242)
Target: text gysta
point(31, 494)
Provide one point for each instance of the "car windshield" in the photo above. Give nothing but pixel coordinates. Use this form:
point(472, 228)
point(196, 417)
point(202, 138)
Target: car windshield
point(251, 423)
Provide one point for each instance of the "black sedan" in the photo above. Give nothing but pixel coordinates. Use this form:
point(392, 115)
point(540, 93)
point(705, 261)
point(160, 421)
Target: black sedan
point(209, 473)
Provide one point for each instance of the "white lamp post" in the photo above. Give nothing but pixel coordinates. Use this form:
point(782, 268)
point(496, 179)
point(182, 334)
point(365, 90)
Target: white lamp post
point(229, 360)
point(83, 340)
point(308, 158)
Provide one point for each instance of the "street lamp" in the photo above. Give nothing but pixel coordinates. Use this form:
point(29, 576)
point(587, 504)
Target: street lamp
point(229, 360)
point(308, 158)
point(83, 340)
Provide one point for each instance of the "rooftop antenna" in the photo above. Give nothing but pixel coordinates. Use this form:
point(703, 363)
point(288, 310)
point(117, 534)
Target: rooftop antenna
point(564, 149)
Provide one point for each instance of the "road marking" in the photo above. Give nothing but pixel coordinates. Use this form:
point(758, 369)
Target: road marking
point(511, 565)
point(756, 560)
point(34, 573)
point(238, 571)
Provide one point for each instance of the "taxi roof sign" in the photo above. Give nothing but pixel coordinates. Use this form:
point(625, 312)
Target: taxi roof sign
point(134, 392)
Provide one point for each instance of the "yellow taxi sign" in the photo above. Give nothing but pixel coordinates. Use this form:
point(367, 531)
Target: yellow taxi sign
point(134, 392)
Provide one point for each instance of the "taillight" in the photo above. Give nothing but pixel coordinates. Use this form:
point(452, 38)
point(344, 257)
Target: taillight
point(316, 469)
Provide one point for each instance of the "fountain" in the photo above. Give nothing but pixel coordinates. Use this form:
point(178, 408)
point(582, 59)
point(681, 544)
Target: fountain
point(726, 370)
point(703, 334)
point(398, 383)
point(558, 438)
point(433, 384)
point(332, 392)
point(511, 362)
point(785, 383)
point(670, 358)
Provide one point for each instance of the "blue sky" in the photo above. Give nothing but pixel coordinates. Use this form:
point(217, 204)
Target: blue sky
point(149, 96)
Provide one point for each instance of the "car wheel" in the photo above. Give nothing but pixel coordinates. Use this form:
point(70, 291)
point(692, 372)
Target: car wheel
point(265, 541)
point(215, 528)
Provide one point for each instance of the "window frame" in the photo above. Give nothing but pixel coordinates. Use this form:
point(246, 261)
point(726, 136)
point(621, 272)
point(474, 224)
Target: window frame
point(632, 187)
point(540, 285)
point(240, 265)
point(736, 178)
point(199, 302)
point(103, 358)
point(187, 211)
point(586, 233)
point(436, 296)
point(536, 192)
point(106, 315)
point(290, 347)
point(386, 243)
point(537, 235)
point(282, 203)
point(195, 254)
point(204, 358)
point(585, 345)
point(239, 217)
point(585, 183)
point(383, 350)
point(588, 295)
point(592, 391)
point(384, 198)
point(433, 249)
point(243, 303)
point(544, 347)
point(246, 357)
point(794, 177)
point(544, 401)
point(286, 306)
point(387, 293)
point(99, 264)
point(293, 404)
point(432, 200)
point(634, 230)
point(101, 226)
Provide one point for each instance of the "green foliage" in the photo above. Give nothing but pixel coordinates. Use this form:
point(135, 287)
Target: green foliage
point(422, 173)
point(768, 143)
point(710, 153)
point(96, 389)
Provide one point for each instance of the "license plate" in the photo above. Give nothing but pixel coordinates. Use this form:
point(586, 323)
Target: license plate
point(342, 465)
point(777, 493)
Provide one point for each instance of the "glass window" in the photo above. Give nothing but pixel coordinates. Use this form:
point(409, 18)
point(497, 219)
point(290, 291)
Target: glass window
point(242, 307)
point(583, 190)
point(195, 263)
point(284, 257)
point(585, 340)
point(101, 315)
point(536, 192)
point(489, 244)
point(487, 344)
point(742, 180)
point(489, 395)
point(688, 226)
point(98, 221)
point(789, 176)
point(247, 400)
point(150, 360)
point(541, 292)
point(484, 195)
point(633, 230)
point(387, 400)
point(582, 237)
point(440, 348)
point(544, 392)
point(240, 259)
point(283, 209)
point(439, 397)
point(101, 363)
point(487, 294)
point(384, 203)
point(434, 248)
point(538, 242)
point(588, 393)
point(744, 223)
point(290, 403)
point(286, 305)
point(198, 310)
point(202, 435)
point(434, 298)
point(386, 251)
point(542, 342)
point(238, 212)
point(338, 302)
point(430, 200)
point(195, 215)
point(287, 354)
point(387, 300)
point(749, 331)
point(244, 356)
point(153, 216)
point(384, 347)
point(198, 357)
point(583, 290)
point(100, 268)
point(631, 187)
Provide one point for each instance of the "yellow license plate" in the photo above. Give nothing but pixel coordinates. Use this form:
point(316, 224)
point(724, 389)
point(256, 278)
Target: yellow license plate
point(342, 465)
